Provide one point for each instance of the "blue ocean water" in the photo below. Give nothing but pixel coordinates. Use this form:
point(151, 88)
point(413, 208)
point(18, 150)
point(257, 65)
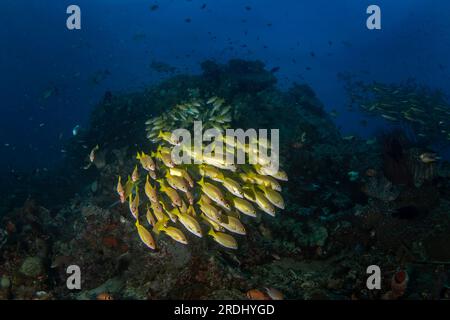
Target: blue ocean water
point(310, 41)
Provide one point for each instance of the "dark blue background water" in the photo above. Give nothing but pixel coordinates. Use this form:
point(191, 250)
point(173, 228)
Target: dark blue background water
point(124, 37)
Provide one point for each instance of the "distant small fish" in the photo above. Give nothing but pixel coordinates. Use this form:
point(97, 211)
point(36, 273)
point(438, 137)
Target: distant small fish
point(203, 6)
point(188, 20)
point(429, 157)
point(75, 130)
point(248, 8)
point(154, 7)
point(92, 153)
point(49, 92)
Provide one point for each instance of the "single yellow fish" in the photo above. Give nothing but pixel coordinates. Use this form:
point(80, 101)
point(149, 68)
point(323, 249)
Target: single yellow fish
point(234, 225)
point(182, 173)
point(158, 210)
point(274, 197)
point(210, 211)
point(177, 182)
point(121, 190)
point(223, 239)
point(169, 137)
point(211, 172)
point(244, 206)
point(134, 204)
point(171, 193)
point(213, 193)
point(263, 203)
point(174, 233)
point(129, 185)
point(189, 223)
point(265, 181)
point(146, 161)
point(150, 191)
point(145, 236)
point(234, 187)
point(135, 174)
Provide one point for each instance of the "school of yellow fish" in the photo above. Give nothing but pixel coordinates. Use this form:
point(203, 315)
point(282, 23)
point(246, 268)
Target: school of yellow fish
point(213, 112)
point(208, 197)
point(426, 113)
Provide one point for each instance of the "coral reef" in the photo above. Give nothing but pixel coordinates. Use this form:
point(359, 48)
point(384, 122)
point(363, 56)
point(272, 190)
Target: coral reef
point(331, 230)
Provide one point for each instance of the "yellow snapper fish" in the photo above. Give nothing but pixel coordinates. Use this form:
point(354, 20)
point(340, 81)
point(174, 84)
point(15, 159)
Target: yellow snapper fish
point(266, 181)
point(150, 191)
point(234, 225)
point(135, 174)
point(145, 236)
point(210, 210)
point(244, 206)
point(158, 210)
point(150, 218)
point(164, 154)
point(129, 185)
point(213, 193)
point(146, 161)
point(223, 239)
point(233, 187)
point(269, 171)
point(170, 192)
point(174, 233)
point(173, 217)
point(273, 196)
point(189, 223)
point(177, 182)
point(190, 197)
point(134, 204)
point(121, 190)
point(263, 203)
point(182, 173)
point(211, 172)
point(215, 225)
point(168, 137)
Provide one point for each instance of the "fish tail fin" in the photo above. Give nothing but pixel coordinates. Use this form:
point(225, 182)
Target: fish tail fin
point(211, 232)
point(138, 156)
